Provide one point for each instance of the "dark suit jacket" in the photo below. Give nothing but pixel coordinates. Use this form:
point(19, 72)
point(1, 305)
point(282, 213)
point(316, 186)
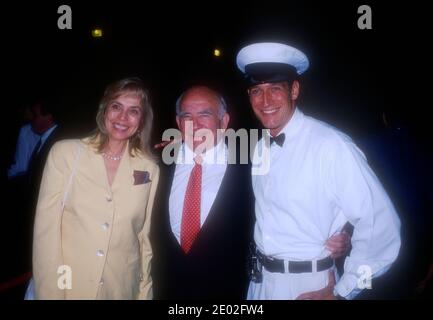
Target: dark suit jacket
point(215, 267)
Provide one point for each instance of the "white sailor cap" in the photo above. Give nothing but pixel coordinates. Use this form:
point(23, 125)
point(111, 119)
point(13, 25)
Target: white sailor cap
point(271, 62)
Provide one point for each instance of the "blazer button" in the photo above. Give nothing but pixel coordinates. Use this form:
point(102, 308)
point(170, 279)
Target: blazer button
point(100, 253)
point(105, 226)
point(101, 282)
point(109, 199)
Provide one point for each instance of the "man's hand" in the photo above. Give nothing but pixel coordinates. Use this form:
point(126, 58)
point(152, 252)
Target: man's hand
point(164, 143)
point(338, 244)
point(326, 293)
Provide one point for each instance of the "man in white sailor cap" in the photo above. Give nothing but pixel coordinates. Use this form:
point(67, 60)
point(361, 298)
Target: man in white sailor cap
point(317, 181)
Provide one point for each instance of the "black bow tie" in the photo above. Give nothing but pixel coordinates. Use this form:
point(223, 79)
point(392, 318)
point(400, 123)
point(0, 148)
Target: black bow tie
point(278, 139)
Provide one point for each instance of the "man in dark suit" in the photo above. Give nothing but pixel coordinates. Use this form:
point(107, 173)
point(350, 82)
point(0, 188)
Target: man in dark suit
point(209, 261)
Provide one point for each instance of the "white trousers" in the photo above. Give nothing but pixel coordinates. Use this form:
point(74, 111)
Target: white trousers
point(287, 286)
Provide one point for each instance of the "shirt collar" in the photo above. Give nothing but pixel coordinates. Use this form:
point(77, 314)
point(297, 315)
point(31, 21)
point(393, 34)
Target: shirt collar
point(216, 155)
point(47, 133)
point(292, 125)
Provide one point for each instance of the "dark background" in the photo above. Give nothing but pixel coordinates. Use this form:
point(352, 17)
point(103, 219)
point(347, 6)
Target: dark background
point(354, 74)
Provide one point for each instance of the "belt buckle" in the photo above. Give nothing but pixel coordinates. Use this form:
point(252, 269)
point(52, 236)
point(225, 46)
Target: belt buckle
point(273, 264)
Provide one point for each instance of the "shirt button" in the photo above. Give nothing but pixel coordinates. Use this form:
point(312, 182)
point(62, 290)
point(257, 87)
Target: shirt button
point(109, 199)
point(100, 253)
point(105, 226)
point(101, 282)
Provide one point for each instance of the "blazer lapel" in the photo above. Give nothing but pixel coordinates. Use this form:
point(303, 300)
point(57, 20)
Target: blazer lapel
point(98, 171)
point(96, 166)
point(124, 175)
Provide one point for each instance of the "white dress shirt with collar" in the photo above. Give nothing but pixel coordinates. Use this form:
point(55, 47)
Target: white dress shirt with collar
point(214, 166)
point(317, 181)
point(27, 140)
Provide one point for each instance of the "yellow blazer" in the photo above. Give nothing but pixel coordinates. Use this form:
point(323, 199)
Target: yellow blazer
point(103, 233)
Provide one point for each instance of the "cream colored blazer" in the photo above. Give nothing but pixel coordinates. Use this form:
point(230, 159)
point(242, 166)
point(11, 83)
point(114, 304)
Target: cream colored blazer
point(98, 248)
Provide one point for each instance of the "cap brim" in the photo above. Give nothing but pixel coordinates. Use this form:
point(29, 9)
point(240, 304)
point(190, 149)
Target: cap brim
point(257, 73)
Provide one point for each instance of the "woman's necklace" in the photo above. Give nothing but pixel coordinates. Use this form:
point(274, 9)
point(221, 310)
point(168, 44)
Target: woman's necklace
point(110, 157)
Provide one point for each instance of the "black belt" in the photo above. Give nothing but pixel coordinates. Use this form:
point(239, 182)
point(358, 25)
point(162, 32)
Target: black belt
point(277, 265)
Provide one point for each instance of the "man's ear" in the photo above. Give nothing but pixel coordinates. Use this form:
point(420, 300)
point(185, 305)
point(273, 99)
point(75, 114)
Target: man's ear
point(294, 91)
point(178, 122)
point(225, 121)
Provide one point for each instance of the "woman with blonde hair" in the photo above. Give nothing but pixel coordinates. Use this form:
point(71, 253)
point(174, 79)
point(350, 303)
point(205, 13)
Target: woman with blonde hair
point(91, 238)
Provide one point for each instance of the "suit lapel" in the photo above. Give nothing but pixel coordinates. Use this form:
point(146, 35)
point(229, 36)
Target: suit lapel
point(124, 175)
point(168, 173)
point(96, 168)
point(215, 211)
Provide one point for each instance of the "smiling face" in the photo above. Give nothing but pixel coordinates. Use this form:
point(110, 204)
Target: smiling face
point(201, 106)
point(274, 103)
point(123, 117)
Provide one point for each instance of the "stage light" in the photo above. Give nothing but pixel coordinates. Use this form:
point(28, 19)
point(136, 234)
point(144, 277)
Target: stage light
point(97, 33)
point(217, 52)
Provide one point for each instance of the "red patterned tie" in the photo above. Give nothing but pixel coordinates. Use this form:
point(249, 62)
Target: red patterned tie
point(191, 209)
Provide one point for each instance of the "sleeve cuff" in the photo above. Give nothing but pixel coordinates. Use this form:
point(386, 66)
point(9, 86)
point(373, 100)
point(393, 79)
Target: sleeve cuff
point(347, 287)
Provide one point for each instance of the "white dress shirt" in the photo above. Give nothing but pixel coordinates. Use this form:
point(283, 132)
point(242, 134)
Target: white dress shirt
point(317, 181)
point(27, 140)
point(214, 166)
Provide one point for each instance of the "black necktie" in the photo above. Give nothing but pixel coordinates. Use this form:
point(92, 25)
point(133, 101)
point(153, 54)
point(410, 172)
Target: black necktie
point(278, 139)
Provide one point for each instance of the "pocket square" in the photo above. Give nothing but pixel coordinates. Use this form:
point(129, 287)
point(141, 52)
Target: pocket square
point(141, 177)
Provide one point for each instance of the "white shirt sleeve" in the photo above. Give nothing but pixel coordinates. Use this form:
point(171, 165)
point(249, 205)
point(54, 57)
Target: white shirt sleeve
point(364, 202)
point(22, 154)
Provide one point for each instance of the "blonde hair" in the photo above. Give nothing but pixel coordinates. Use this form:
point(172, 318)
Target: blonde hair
point(140, 141)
